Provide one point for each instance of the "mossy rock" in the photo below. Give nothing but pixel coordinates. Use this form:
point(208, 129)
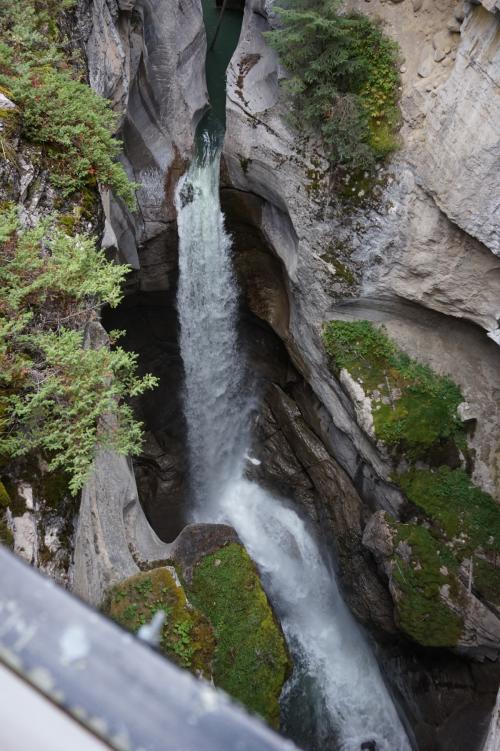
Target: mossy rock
point(465, 515)
point(4, 496)
point(486, 577)
point(187, 637)
point(422, 612)
point(11, 498)
point(251, 660)
point(414, 409)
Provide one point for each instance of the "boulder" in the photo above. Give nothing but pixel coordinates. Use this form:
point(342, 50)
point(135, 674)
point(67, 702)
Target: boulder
point(456, 618)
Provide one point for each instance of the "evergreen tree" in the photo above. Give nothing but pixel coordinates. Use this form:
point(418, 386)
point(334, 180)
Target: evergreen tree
point(57, 396)
point(343, 79)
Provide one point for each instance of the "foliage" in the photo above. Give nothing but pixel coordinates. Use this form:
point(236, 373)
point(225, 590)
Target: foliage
point(4, 497)
point(422, 612)
point(55, 394)
point(251, 661)
point(414, 409)
point(6, 536)
point(187, 637)
point(64, 115)
point(465, 515)
point(343, 78)
point(487, 580)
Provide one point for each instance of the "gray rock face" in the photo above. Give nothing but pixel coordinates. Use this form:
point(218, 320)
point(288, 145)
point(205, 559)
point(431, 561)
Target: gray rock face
point(102, 556)
point(148, 57)
point(112, 535)
point(459, 162)
point(113, 539)
point(491, 5)
point(400, 246)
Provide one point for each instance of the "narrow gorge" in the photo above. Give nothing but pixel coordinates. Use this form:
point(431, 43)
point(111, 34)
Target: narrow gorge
point(315, 504)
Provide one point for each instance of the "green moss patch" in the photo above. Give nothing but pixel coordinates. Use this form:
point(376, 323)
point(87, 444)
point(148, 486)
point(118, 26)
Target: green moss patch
point(4, 496)
point(187, 637)
point(486, 577)
point(422, 612)
point(6, 536)
point(466, 515)
point(414, 409)
point(251, 661)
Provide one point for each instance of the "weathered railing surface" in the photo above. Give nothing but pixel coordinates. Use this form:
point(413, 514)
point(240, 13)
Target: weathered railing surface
point(110, 682)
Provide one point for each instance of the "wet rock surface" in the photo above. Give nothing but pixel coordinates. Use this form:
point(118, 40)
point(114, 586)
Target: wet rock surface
point(150, 320)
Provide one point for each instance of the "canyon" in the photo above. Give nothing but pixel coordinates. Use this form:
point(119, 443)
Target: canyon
point(417, 251)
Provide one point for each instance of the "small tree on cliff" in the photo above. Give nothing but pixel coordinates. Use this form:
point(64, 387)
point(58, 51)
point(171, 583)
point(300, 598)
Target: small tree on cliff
point(343, 79)
point(54, 391)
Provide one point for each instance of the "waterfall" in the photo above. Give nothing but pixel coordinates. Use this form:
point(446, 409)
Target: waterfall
point(336, 678)
point(214, 403)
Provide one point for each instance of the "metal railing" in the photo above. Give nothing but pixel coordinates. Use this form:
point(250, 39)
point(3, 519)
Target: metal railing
point(107, 683)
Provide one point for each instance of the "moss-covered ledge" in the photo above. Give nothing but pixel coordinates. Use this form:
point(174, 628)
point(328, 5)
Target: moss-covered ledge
point(435, 604)
point(441, 557)
point(187, 637)
point(414, 410)
point(218, 621)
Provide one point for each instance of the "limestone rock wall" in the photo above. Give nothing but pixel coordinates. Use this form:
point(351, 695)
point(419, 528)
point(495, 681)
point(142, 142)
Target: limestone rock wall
point(382, 251)
point(460, 156)
point(148, 57)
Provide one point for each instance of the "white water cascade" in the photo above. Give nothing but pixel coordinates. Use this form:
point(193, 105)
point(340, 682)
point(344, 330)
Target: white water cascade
point(334, 665)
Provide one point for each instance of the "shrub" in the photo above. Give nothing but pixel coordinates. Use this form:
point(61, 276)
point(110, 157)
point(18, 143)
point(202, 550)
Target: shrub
point(64, 115)
point(343, 79)
point(56, 395)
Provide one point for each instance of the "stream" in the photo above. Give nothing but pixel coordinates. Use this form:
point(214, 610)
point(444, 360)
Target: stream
point(336, 698)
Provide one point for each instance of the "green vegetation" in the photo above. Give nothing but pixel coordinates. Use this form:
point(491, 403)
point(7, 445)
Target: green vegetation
point(415, 413)
point(225, 631)
point(57, 110)
point(53, 390)
point(486, 577)
point(251, 662)
point(4, 496)
point(187, 637)
point(343, 78)
point(414, 409)
point(465, 515)
point(6, 536)
point(422, 612)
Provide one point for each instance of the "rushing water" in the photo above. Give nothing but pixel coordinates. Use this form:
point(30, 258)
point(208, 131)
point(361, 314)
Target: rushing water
point(336, 697)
